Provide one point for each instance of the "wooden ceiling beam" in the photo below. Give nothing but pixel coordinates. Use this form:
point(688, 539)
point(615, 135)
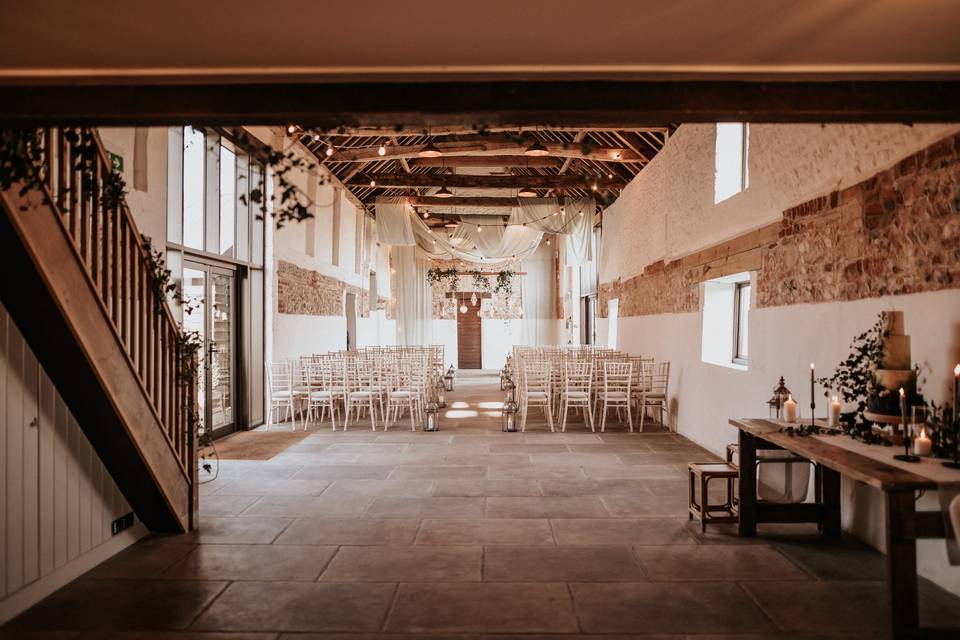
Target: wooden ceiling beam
point(486, 161)
point(401, 131)
point(608, 104)
point(487, 145)
point(451, 181)
point(486, 202)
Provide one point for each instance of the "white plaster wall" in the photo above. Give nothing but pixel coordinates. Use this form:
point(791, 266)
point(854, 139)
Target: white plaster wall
point(445, 333)
point(667, 211)
point(300, 335)
point(499, 336)
point(149, 208)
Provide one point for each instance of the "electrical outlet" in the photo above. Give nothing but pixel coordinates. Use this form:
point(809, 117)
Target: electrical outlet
point(121, 523)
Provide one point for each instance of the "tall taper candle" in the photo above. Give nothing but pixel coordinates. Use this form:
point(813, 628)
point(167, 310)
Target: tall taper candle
point(956, 386)
point(813, 401)
point(956, 418)
point(903, 415)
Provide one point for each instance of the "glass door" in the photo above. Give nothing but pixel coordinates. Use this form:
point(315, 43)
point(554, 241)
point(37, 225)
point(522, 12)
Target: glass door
point(209, 309)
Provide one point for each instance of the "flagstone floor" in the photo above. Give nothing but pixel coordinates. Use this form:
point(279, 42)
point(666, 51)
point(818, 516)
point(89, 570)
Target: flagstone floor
point(472, 533)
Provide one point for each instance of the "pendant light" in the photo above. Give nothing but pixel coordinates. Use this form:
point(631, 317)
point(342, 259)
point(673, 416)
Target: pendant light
point(430, 151)
point(443, 192)
point(536, 150)
point(527, 192)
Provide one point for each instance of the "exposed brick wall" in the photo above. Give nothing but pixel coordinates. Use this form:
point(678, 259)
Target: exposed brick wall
point(897, 232)
point(306, 292)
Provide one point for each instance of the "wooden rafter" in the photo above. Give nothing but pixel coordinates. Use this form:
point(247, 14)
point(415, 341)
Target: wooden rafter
point(385, 180)
point(485, 161)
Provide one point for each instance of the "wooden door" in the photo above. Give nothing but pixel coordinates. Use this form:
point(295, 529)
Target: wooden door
point(469, 338)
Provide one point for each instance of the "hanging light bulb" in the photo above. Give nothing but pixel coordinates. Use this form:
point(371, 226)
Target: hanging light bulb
point(443, 192)
point(291, 128)
point(536, 150)
point(430, 151)
point(316, 137)
point(581, 214)
point(563, 211)
point(479, 229)
point(329, 150)
point(616, 154)
point(610, 176)
point(426, 214)
point(373, 183)
point(382, 150)
point(594, 187)
point(548, 240)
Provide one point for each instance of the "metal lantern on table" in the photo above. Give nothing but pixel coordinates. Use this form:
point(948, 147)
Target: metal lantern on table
point(509, 416)
point(441, 395)
point(448, 379)
point(431, 416)
point(780, 396)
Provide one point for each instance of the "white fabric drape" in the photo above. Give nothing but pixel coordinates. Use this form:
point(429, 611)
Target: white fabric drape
point(574, 219)
point(393, 222)
point(539, 326)
point(516, 243)
point(414, 297)
point(494, 241)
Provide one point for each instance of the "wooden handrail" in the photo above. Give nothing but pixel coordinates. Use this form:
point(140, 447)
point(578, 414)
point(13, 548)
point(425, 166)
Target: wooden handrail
point(116, 261)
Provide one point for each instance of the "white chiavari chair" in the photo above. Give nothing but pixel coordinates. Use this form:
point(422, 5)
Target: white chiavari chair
point(615, 394)
point(321, 394)
point(656, 378)
point(535, 391)
point(578, 379)
point(280, 381)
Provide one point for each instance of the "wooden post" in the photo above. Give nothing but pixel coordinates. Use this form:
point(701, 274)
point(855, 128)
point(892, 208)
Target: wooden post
point(830, 490)
point(901, 564)
point(748, 484)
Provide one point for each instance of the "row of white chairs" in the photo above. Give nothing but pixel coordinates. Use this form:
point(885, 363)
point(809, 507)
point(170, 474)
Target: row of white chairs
point(383, 382)
point(591, 381)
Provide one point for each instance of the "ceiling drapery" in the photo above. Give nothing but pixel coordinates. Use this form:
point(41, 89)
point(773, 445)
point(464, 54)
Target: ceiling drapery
point(477, 240)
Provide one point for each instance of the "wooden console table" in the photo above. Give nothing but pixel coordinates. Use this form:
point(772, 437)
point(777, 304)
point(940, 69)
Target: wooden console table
point(904, 525)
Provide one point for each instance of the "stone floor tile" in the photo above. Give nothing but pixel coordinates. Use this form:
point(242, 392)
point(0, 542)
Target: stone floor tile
point(426, 507)
point(239, 530)
point(611, 448)
point(546, 507)
point(626, 486)
point(144, 559)
point(649, 506)
point(643, 471)
point(349, 531)
point(345, 472)
point(225, 505)
point(838, 606)
point(484, 607)
point(367, 447)
point(717, 562)
point(274, 487)
point(577, 459)
point(405, 564)
point(589, 531)
point(681, 457)
point(407, 488)
point(560, 564)
point(309, 459)
point(486, 459)
point(120, 604)
point(539, 448)
point(251, 562)
point(535, 472)
point(298, 606)
point(487, 531)
point(309, 506)
point(708, 607)
point(438, 471)
point(482, 488)
point(843, 559)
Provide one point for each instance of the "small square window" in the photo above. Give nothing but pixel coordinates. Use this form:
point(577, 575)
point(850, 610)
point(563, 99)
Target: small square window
point(726, 306)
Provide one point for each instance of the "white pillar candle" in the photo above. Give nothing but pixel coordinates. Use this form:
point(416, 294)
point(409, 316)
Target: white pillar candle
point(922, 444)
point(790, 409)
point(834, 415)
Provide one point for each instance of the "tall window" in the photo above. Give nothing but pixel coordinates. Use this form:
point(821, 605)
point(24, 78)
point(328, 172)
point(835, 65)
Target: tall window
point(726, 307)
point(194, 177)
point(731, 165)
point(741, 309)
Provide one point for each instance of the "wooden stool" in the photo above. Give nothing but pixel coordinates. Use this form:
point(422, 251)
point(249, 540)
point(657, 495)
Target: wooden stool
point(702, 473)
point(733, 449)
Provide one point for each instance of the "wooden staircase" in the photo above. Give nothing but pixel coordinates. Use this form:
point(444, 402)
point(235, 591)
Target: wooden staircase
point(77, 280)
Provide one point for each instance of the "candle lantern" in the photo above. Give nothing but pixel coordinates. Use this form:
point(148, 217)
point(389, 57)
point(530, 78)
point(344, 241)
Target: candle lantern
point(509, 416)
point(441, 393)
point(448, 379)
point(431, 417)
point(511, 388)
point(775, 403)
point(504, 374)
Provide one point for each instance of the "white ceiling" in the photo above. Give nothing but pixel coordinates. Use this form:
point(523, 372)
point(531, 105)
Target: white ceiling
point(451, 39)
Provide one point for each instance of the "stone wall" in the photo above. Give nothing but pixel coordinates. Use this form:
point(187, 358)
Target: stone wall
point(897, 232)
point(306, 292)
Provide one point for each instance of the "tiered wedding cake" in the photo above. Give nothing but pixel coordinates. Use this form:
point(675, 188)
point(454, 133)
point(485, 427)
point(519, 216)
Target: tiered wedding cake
point(895, 372)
